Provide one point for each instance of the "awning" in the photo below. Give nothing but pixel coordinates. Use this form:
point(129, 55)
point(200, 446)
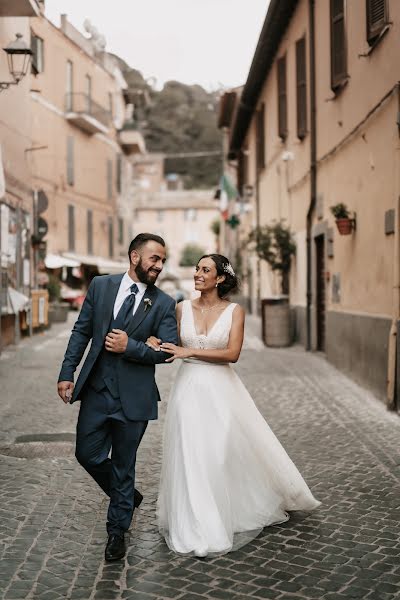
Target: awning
point(55, 261)
point(111, 267)
point(104, 266)
point(16, 301)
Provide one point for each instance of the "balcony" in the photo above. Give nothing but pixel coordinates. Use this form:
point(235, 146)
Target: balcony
point(83, 112)
point(131, 141)
point(19, 8)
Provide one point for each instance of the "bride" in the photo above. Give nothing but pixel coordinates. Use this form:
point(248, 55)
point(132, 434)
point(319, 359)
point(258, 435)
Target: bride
point(224, 474)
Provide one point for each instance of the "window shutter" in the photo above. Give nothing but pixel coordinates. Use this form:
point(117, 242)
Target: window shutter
point(338, 45)
point(90, 232)
point(109, 180)
point(110, 237)
point(119, 173)
point(282, 99)
point(70, 161)
point(35, 54)
point(301, 88)
point(260, 138)
point(120, 230)
point(377, 18)
point(71, 228)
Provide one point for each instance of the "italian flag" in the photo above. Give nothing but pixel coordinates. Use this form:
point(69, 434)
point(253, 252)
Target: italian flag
point(228, 192)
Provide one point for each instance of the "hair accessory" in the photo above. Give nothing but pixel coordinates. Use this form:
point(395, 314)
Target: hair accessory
point(229, 269)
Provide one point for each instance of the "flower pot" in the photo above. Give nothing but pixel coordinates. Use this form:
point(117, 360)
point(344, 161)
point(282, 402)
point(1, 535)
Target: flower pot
point(345, 226)
point(58, 312)
point(276, 321)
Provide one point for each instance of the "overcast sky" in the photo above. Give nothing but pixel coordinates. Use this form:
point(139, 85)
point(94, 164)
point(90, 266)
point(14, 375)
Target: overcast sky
point(210, 42)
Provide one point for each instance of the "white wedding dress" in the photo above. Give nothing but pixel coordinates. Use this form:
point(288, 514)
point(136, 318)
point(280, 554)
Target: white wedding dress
point(224, 475)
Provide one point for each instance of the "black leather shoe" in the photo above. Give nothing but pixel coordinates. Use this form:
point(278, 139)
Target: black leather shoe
point(137, 498)
point(115, 549)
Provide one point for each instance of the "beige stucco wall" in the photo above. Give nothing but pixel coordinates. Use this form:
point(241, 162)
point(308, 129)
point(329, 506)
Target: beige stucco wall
point(177, 231)
point(15, 114)
point(362, 171)
point(91, 152)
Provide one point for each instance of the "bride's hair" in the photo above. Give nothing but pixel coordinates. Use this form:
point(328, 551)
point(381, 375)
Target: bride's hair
point(224, 267)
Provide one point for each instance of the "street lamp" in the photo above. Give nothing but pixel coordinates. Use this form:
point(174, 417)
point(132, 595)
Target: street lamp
point(18, 57)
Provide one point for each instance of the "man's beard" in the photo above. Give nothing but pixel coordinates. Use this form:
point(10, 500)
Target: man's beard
point(145, 276)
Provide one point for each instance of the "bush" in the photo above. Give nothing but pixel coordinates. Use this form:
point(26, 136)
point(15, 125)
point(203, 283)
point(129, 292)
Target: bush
point(54, 288)
point(190, 255)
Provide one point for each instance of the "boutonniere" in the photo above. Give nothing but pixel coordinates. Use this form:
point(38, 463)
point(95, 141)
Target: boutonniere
point(147, 304)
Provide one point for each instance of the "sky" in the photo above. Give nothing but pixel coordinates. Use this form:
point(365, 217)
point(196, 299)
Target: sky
point(209, 42)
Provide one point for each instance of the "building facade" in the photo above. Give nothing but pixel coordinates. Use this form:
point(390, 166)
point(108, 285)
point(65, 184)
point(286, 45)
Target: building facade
point(81, 164)
point(16, 212)
point(317, 125)
point(182, 217)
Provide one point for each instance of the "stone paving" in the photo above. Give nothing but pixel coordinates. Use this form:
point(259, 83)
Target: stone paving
point(342, 439)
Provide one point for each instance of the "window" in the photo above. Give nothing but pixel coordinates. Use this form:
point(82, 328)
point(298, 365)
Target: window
point(70, 161)
point(110, 237)
point(282, 99)
point(260, 138)
point(71, 228)
point(377, 19)
point(69, 85)
point(119, 173)
point(338, 45)
point(120, 230)
point(37, 47)
point(110, 104)
point(243, 167)
point(90, 232)
point(109, 179)
point(190, 214)
point(88, 89)
point(301, 88)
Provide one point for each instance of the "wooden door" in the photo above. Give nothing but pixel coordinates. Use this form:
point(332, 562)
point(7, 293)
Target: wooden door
point(320, 291)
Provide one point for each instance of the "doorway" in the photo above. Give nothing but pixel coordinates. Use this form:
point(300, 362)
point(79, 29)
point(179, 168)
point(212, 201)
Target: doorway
point(320, 291)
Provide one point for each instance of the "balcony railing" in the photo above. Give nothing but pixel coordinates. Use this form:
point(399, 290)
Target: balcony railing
point(86, 114)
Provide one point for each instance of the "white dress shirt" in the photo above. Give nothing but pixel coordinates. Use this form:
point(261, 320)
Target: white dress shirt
point(125, 290)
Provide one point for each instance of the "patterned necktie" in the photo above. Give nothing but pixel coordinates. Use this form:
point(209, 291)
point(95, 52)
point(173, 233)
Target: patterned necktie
point(125, 312)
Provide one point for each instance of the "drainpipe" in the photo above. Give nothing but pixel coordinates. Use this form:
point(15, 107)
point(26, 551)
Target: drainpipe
point(313, 168)
point(392, 346)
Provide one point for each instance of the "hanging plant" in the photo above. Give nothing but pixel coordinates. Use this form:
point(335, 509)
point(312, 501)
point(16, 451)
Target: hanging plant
point(344, 222)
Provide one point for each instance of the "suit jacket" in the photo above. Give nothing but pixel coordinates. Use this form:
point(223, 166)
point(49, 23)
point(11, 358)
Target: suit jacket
point(136, 366)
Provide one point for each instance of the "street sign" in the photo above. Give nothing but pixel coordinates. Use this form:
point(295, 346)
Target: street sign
point(42, 202)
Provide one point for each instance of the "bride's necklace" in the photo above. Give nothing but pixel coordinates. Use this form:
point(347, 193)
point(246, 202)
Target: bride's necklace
point(203, 310)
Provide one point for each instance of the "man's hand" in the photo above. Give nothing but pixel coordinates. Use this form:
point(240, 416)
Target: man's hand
point(116, 341)
point(65, 389)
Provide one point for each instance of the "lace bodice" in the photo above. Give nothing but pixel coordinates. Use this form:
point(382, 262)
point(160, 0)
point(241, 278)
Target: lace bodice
point(218, 335)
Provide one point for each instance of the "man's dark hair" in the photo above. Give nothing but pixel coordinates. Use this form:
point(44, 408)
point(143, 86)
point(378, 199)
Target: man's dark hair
point(141, 239)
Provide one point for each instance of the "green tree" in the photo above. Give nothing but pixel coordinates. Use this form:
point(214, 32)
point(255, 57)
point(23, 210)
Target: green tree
point(190, 255)
point(274, 243)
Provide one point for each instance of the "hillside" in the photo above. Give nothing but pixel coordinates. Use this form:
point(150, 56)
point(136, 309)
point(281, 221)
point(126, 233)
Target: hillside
point(179, 118)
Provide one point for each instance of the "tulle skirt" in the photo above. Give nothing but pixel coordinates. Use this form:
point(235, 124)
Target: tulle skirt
point(224, 475)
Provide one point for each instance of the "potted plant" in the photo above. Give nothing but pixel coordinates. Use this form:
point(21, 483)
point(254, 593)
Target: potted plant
point(344, 222)
point(58, 311)
point(275, 245)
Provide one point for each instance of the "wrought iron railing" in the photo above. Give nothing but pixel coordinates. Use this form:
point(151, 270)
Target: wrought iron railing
point(81, 103)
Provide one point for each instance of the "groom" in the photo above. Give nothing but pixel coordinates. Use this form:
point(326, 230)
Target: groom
point(116, 385)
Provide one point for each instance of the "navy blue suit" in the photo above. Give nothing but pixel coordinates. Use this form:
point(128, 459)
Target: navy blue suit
point(118, 392)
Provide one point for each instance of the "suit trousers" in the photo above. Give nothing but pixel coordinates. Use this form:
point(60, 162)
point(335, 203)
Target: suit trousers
point(102, 426)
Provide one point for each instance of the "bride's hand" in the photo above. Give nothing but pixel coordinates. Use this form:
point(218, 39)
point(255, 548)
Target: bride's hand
point(153, 343)
point(176, 351)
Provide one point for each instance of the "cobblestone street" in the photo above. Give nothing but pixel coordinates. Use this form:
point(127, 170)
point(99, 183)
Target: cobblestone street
point(343, 440)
